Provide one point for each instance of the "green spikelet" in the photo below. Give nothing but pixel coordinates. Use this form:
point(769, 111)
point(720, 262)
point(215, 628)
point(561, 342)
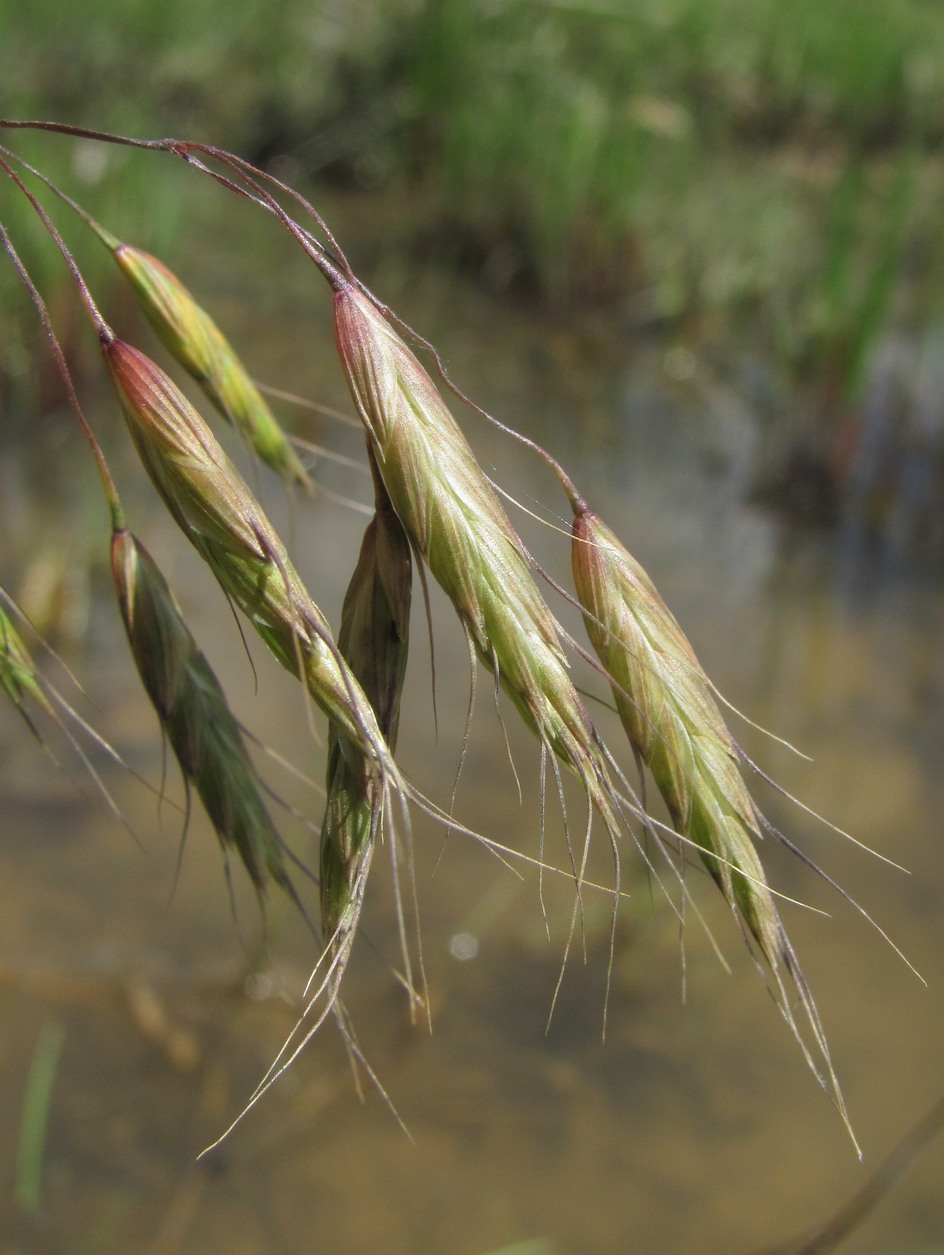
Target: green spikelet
point(456, 522)
point(218, 513)
point(666, 704)
point(193, 338)
point(194, 713)
point(18, 675)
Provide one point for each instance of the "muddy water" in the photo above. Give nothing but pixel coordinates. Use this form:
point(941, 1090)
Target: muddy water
point(695, 1126)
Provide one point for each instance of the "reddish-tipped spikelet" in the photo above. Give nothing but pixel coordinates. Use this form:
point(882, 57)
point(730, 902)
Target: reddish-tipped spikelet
point(190, 334)
point(216, 510)
point(666, 704)
point(374, 639)
point(194, 713)
point(456, 522)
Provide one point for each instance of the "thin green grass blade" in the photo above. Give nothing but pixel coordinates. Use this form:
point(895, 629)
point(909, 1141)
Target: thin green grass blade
point(34, 1119)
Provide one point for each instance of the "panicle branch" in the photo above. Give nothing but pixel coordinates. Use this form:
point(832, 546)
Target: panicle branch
point(434, 503)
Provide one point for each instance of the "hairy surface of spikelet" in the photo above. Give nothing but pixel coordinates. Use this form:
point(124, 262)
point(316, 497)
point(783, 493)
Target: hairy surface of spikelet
point(666, 705)
point(216, 510)
point(194, 713)
point(193, 338)
point(458, 525)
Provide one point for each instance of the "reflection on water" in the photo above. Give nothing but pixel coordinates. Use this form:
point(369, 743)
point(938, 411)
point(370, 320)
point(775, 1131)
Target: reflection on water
point(696, 1126)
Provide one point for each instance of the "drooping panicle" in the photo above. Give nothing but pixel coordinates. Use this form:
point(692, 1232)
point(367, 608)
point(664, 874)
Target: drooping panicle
point(194, 713)
point(216, 510)
point(194, 339)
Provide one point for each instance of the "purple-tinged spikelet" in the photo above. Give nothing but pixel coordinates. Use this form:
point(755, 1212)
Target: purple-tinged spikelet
point(219, 514)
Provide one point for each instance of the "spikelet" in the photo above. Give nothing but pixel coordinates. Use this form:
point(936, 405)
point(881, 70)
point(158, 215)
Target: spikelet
point(218, 513)
point(18, 675)
point(666, 704)
point(194, 713)
point(456, 522)
point(374, 639)
point(189, 333)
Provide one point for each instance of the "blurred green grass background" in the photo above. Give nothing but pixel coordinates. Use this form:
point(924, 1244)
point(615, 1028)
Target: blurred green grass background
point(751, 173)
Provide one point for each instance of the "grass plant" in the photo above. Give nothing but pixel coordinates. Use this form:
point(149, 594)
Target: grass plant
point(433, 504)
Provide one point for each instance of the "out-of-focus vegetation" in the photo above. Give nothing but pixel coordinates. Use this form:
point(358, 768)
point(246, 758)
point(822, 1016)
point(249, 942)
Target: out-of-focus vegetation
point(748, 172)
